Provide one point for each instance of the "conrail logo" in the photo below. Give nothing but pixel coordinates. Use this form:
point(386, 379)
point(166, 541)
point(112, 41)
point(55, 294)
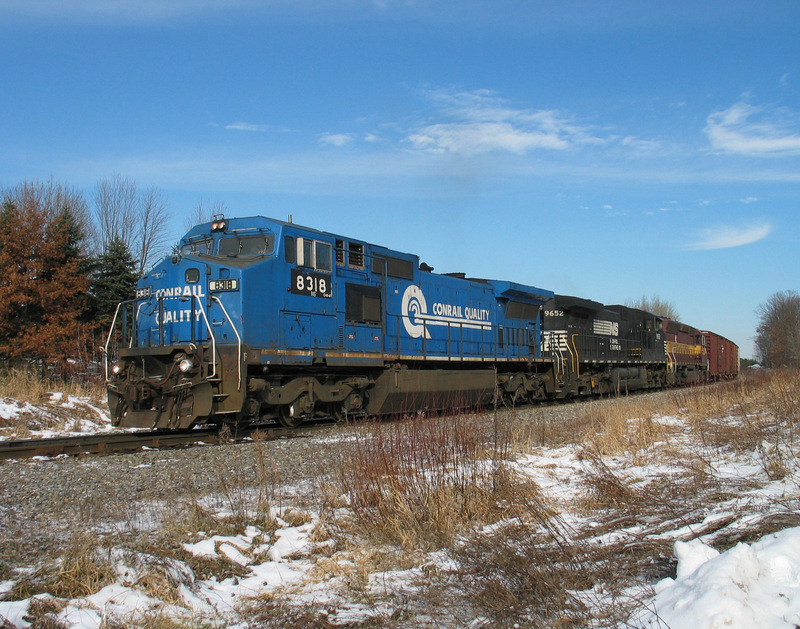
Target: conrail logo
point(417, 320)
point(414, 309)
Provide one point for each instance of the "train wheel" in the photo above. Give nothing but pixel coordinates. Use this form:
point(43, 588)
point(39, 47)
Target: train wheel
point(287, 416)
point(337, 411)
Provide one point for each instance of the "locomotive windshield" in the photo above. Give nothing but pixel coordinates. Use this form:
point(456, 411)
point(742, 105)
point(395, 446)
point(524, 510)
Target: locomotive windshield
point(236, 246)
point(232, 246)
point(198, 247)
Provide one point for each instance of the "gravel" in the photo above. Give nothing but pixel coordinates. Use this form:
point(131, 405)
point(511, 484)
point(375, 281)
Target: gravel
point(44, 501)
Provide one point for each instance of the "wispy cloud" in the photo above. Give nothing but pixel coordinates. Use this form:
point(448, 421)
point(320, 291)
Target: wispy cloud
point(335, 139)
point(246, 126)
point(749, 200)
point(749, 130)
point(480, 121)
point(725, 237)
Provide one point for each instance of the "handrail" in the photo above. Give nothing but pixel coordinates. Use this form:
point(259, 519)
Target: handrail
point(110, 334)
point(577, 359)
point(133, 323)
point(238, 339)
point(210, 336)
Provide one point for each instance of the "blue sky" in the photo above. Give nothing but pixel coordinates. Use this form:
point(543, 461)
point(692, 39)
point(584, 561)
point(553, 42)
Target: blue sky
point(604, 149)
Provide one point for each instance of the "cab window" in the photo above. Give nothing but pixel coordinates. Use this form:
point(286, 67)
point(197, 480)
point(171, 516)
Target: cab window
point(197, 247)
point(246, 245)
point(315, 254)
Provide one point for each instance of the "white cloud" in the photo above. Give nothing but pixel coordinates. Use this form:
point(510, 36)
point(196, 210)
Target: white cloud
point(335, 139)
point(481, 137)
point(726, 237)
point(749, 200)
point(246, 126)
point(642, 146)
point(749, 130)
point(479, 121)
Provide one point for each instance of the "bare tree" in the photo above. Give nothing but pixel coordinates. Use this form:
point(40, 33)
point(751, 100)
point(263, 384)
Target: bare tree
point(204, 212)
point(150, 236)
point(778, 331)
point(52, 199)
point(136, 218)
point(115, 202)
point(656, 305)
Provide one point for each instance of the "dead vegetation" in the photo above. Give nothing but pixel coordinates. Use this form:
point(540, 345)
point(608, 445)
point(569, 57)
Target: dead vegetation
point(44, 405)
point(420, 482)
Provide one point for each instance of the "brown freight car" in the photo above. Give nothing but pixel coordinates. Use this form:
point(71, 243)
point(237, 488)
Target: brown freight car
point(686, 356)
point(723, 357)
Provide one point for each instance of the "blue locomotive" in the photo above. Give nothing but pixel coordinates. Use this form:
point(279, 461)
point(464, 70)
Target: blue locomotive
point(255, 319)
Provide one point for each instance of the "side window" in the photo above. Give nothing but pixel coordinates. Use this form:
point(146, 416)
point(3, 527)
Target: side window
point(305, 252)
point(289, 252)
point(314, 254)
point(322, 255)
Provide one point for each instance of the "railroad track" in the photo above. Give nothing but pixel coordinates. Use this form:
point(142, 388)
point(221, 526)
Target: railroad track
point(116, 442)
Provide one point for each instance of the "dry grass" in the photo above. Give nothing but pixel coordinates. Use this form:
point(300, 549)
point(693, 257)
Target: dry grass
point(84, 568)
point(38, 409)
point(420, 482)
point(628, 427)
point(27, 386)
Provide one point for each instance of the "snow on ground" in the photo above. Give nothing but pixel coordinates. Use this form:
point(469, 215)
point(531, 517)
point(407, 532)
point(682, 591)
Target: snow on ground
point(58, 416)
point(750, 586)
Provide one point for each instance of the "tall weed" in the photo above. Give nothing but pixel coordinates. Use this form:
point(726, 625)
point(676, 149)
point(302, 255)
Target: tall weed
point(420, 481)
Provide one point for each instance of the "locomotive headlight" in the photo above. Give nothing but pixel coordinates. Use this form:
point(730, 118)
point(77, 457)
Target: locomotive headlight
point(116, 369)
point(185, 365)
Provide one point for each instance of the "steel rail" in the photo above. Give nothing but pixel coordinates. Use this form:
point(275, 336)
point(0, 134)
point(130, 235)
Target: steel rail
point(118, 442)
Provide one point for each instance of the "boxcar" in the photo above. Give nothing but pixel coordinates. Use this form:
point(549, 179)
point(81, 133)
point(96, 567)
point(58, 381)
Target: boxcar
point(723, 357)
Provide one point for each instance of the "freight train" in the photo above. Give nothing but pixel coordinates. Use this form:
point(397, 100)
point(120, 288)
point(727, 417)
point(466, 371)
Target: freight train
point(254, 319)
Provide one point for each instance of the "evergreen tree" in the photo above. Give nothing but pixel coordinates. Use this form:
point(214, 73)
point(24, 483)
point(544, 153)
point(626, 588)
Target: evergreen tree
point(114, 280)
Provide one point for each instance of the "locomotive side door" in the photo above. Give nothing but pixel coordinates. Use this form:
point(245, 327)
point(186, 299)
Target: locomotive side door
point(361, 312)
